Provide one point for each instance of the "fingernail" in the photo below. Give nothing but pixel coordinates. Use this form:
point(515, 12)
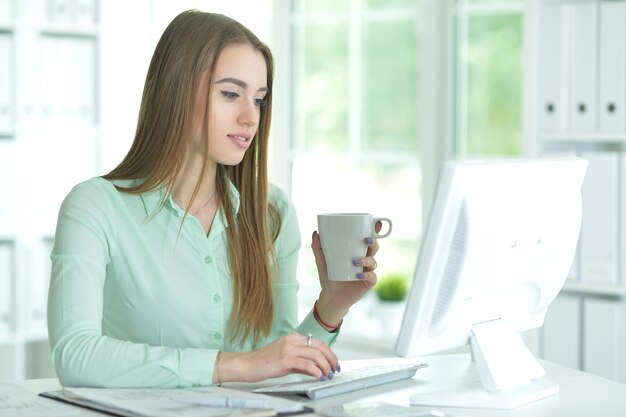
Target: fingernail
point(357, 262)
point(314, 233)
point(360, 275)
point(338, 367)
point(369, 240)
point(323, 378)
point(330, 375)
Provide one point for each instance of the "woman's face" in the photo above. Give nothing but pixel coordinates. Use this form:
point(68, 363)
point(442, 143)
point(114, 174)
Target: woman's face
point(238, 92)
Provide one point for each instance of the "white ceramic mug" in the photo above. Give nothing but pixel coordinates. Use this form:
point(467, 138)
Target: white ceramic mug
point(343, 240)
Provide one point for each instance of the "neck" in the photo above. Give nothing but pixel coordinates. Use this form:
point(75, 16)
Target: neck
point(185, 183)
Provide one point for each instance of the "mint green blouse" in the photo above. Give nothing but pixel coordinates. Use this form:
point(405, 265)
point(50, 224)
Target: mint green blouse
point(139, 301)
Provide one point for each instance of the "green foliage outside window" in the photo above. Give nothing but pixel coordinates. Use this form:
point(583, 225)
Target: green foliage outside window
point(494, 87)
point(323, 95)
point(390, 86)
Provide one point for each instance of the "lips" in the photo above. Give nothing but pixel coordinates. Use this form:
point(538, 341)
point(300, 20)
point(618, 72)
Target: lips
point(242, 140)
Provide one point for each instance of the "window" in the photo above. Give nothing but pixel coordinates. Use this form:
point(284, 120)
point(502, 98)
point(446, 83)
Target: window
point(489, 73)
point(358, 70)
point(356, 121)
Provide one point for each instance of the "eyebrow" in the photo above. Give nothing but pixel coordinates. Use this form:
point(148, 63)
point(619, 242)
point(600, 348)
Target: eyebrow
point(238, 82)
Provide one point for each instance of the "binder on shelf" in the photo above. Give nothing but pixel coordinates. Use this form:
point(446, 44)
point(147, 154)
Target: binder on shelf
point(552, 60)
point(621, 196)
point(582, 34)
point(85, 12)
point(7, 296)
point(598, 242)
point(72, 13)
point(561, 332)
point(6, 82)
point(558, 152)
point(612, 103)
point(60, 11)
point(602, 346)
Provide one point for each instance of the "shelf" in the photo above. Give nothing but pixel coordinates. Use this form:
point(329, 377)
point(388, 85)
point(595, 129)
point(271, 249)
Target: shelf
point(7, 133)
point(583, 137)
point(71, 31)
point(36, 337)
point(594, 290)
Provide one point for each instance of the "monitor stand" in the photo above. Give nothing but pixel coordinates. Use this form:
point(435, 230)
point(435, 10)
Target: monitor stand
point(509, 375)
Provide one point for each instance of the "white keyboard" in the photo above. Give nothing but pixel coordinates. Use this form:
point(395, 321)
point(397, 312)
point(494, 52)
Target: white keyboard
point(346, 381)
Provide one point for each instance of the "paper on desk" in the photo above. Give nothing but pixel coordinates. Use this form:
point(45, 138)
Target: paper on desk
point(164, 402)
point(16, 401)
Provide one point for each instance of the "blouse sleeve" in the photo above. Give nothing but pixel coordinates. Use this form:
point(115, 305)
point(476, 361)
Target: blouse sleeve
point(81, 354)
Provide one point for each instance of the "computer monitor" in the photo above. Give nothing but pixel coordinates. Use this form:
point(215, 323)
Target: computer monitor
point(497, 249)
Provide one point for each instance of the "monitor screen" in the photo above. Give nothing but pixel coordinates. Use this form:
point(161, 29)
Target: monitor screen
point(497, 249)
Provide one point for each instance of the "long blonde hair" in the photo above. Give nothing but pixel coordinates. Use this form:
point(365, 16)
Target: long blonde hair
point(191, 45)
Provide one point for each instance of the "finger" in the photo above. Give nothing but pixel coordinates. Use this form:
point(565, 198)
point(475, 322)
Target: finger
point(297, 339)
point(318, 253)
point(378, 226)
point(317, 345)
point(300, 356)
point(369, 263)
point(316, 242)
point(329, 356)
point(368, 278)
point(372, 246)
point(308, 367)
point(321, 362)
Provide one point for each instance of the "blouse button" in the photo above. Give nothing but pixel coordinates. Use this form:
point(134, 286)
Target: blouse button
point(217, 336)
point(208, 260)
point(217, 298)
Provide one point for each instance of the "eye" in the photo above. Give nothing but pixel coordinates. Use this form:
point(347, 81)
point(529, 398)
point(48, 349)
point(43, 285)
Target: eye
point(260, 102)
point(231, 95)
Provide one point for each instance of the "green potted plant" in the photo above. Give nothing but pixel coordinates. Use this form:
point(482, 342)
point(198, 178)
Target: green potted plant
point(392, 287)
point(391, 290)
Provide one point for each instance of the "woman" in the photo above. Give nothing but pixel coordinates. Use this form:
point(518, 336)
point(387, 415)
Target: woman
point(178, 267)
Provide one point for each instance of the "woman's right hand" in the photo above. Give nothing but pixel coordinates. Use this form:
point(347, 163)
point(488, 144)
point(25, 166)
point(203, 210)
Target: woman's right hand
point(287, 355)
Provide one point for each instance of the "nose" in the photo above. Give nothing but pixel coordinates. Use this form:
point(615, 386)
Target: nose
point(249, 114)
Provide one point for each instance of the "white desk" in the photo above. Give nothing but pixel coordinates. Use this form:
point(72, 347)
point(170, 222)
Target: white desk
point(580, 394)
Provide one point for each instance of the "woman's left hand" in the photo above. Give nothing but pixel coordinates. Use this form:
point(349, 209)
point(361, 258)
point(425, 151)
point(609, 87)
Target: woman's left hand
point(337, 297)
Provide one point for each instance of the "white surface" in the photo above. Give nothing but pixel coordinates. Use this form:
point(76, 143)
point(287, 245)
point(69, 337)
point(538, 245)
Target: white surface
point(581, 395)
point(479, 398)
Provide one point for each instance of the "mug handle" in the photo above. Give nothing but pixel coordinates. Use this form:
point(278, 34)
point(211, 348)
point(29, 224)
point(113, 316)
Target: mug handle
point(381, 219)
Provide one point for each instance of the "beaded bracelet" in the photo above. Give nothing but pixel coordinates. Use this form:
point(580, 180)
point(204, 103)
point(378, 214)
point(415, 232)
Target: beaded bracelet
point(316, 314)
